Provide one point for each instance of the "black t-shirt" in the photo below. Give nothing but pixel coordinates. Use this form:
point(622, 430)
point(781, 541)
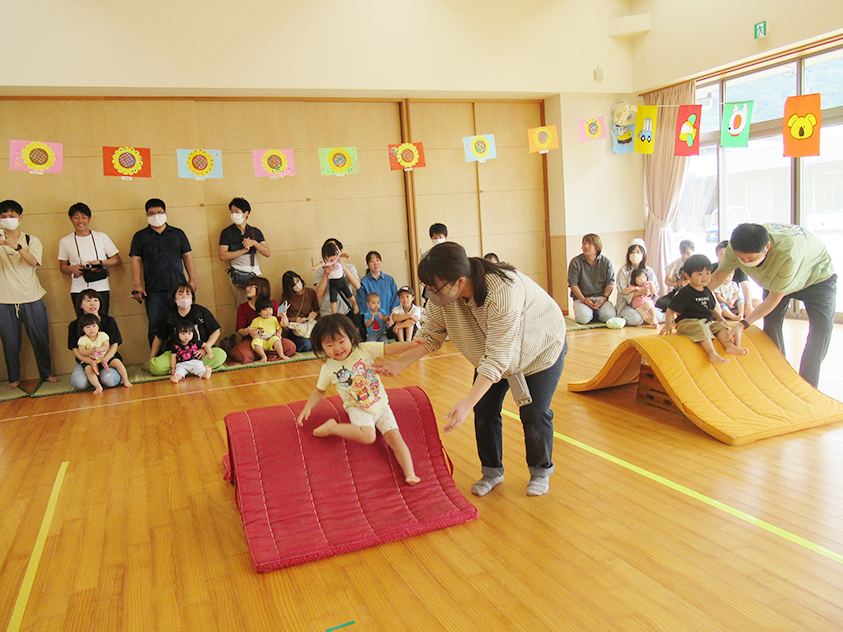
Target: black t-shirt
point(233, 238)
point(691, 303)
point(204, 324)
point(162, 256)
point(740, 275)
point(107, 325)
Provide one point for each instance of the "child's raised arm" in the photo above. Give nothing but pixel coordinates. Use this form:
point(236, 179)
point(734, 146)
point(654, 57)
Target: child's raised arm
point(315, 397)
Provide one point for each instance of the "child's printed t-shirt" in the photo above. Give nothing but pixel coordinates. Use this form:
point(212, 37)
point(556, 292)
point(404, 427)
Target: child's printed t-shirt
point(377, 324)
point(270, 326)
point(185, 353)
point(729, 291)
point(87, 344)
point(358, 384)
point(691, 303)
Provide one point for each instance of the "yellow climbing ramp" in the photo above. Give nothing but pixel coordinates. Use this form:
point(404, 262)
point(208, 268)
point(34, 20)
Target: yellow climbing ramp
point(749, 398)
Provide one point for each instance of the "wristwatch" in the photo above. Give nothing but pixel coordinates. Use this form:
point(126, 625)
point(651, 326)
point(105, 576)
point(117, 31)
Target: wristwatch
point(745, 324)
point(19, 247)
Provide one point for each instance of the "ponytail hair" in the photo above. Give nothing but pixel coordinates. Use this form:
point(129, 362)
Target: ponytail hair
point(448, 261)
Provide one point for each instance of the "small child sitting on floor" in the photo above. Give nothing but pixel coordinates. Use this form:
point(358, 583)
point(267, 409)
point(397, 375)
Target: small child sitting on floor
point(269, 328)
point(406, 316)
point(94, 344)
point(697, 313)
point(730, 299)
point(643, 299)
point(375, 326)
point(183, 361)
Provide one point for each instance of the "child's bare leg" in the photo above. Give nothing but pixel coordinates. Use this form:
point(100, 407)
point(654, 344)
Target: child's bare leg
point(360, 434)
point(176, 378)
point(207, 374)
point(93, 378)
point(711, 352)
point(729, 346)
point(728, 313)
point(354, 303)
point(279, 349)
point(645, 314)
point(399, 330)
point(121, 369)
point(260, 351)
point(402, 453)
point(334, 307)
point(654, 316)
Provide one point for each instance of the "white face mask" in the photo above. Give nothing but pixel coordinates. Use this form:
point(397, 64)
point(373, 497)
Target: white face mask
point(636, 258)
point(184, 303)
point(10, 223)
point(297, 287)
point(438, 241)
point(238, 218)
point(757, 262)
point(157, 221)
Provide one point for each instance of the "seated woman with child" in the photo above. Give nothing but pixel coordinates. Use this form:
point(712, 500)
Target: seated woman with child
point(257, 288)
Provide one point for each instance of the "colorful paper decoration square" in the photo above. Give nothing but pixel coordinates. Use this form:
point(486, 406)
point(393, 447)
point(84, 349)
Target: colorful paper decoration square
point(623, 137)
point(36, 156)
point(126, 162)
point(803, 118)
point(274, 163)
point(592, 129)
point(734, 126)
point(479, 148)
point(200, 164)
point(687, 140)
point(542, 139)
point(645, 124)
point(406, 156)
point(338, 161)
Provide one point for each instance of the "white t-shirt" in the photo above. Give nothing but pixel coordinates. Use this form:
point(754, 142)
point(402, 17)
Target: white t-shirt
point(104, 249)
point(415, 310)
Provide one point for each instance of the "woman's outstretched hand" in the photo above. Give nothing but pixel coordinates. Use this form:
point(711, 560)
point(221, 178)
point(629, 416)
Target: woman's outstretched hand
point(389, 368)
point(457, 415)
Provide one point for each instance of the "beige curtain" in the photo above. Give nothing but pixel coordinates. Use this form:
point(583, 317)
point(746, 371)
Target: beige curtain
point(663, 175)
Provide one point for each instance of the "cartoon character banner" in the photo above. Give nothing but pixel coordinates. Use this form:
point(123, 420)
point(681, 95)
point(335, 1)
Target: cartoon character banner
point(687, 141)
point(126, 162)
point(592, 129)
point(274, 163)
point(622, 138)
point(406, 156)
point(199, 164)
point(734, 128)
point(479, 148)
point(645, 124)
point(338, 161)
point(803, 118)
point(35, 156)
point(542, 139)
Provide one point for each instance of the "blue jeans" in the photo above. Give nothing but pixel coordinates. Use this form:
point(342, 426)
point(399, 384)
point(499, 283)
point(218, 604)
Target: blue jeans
point(302, 344)
point(79, 379)
point(820, 302)
point(34, 317)
point(157, 304)
point(537, 419)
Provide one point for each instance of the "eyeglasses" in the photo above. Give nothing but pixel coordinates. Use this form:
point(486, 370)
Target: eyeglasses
point(437, 292)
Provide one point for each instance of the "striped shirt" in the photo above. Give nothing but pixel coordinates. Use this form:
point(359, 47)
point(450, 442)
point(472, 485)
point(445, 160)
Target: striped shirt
point(490, 336)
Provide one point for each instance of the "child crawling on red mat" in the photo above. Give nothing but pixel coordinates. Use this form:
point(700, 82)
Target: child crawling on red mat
point(350, 364)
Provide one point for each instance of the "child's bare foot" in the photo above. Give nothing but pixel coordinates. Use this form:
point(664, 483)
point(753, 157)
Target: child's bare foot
point(12, 385)
point(734, 349)
point(412, 480)
point(283, 357)
point(52, 378)
point(326, 429)
point(98, 390)
point(716, 358)
point(176, 379)
point(264, 359)
point(207, 374)
point(127, 384)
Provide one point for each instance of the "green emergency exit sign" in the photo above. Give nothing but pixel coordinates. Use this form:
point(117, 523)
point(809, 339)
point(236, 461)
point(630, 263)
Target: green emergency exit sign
point(761, 30)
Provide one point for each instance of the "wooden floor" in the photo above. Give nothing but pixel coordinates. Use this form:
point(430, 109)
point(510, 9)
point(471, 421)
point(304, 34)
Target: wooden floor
point(649, 524)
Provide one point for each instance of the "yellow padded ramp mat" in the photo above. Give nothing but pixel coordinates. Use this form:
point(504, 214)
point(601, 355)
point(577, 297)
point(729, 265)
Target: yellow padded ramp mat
point(749, 398)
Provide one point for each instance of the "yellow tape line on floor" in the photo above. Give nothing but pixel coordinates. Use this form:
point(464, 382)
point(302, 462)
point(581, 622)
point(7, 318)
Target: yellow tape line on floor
point(35, 558)
point(737, 513)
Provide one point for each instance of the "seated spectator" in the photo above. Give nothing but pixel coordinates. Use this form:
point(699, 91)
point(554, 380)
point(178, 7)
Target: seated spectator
point(256, 288)
point(86, 256)
point(592, 281)
point(673, 275)
point(377, 282)
point(89, 302)
point(407, 315)
point(302, 307)
point(636, 256)
point(182, 306)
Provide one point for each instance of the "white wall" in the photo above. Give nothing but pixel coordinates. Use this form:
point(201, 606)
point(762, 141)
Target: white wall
point(690, 38)
point(316, 47)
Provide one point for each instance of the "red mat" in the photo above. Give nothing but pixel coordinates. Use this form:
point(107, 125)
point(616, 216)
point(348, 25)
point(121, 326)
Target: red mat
point(302, 498)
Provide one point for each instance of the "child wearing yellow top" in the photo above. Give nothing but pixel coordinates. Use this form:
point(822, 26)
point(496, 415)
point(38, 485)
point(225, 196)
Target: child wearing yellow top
point(269, 328)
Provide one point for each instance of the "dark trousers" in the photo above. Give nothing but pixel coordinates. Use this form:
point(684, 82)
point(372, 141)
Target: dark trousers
point(34, 317)
point(820, 302)
point(157, 304)
point(536, 418)
point(105, 301)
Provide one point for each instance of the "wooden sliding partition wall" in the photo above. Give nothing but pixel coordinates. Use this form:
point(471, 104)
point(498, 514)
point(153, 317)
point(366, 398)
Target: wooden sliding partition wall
point(495, 206)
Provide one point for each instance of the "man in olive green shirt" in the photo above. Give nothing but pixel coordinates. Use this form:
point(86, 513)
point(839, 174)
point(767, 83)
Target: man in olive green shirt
point(789, 263)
